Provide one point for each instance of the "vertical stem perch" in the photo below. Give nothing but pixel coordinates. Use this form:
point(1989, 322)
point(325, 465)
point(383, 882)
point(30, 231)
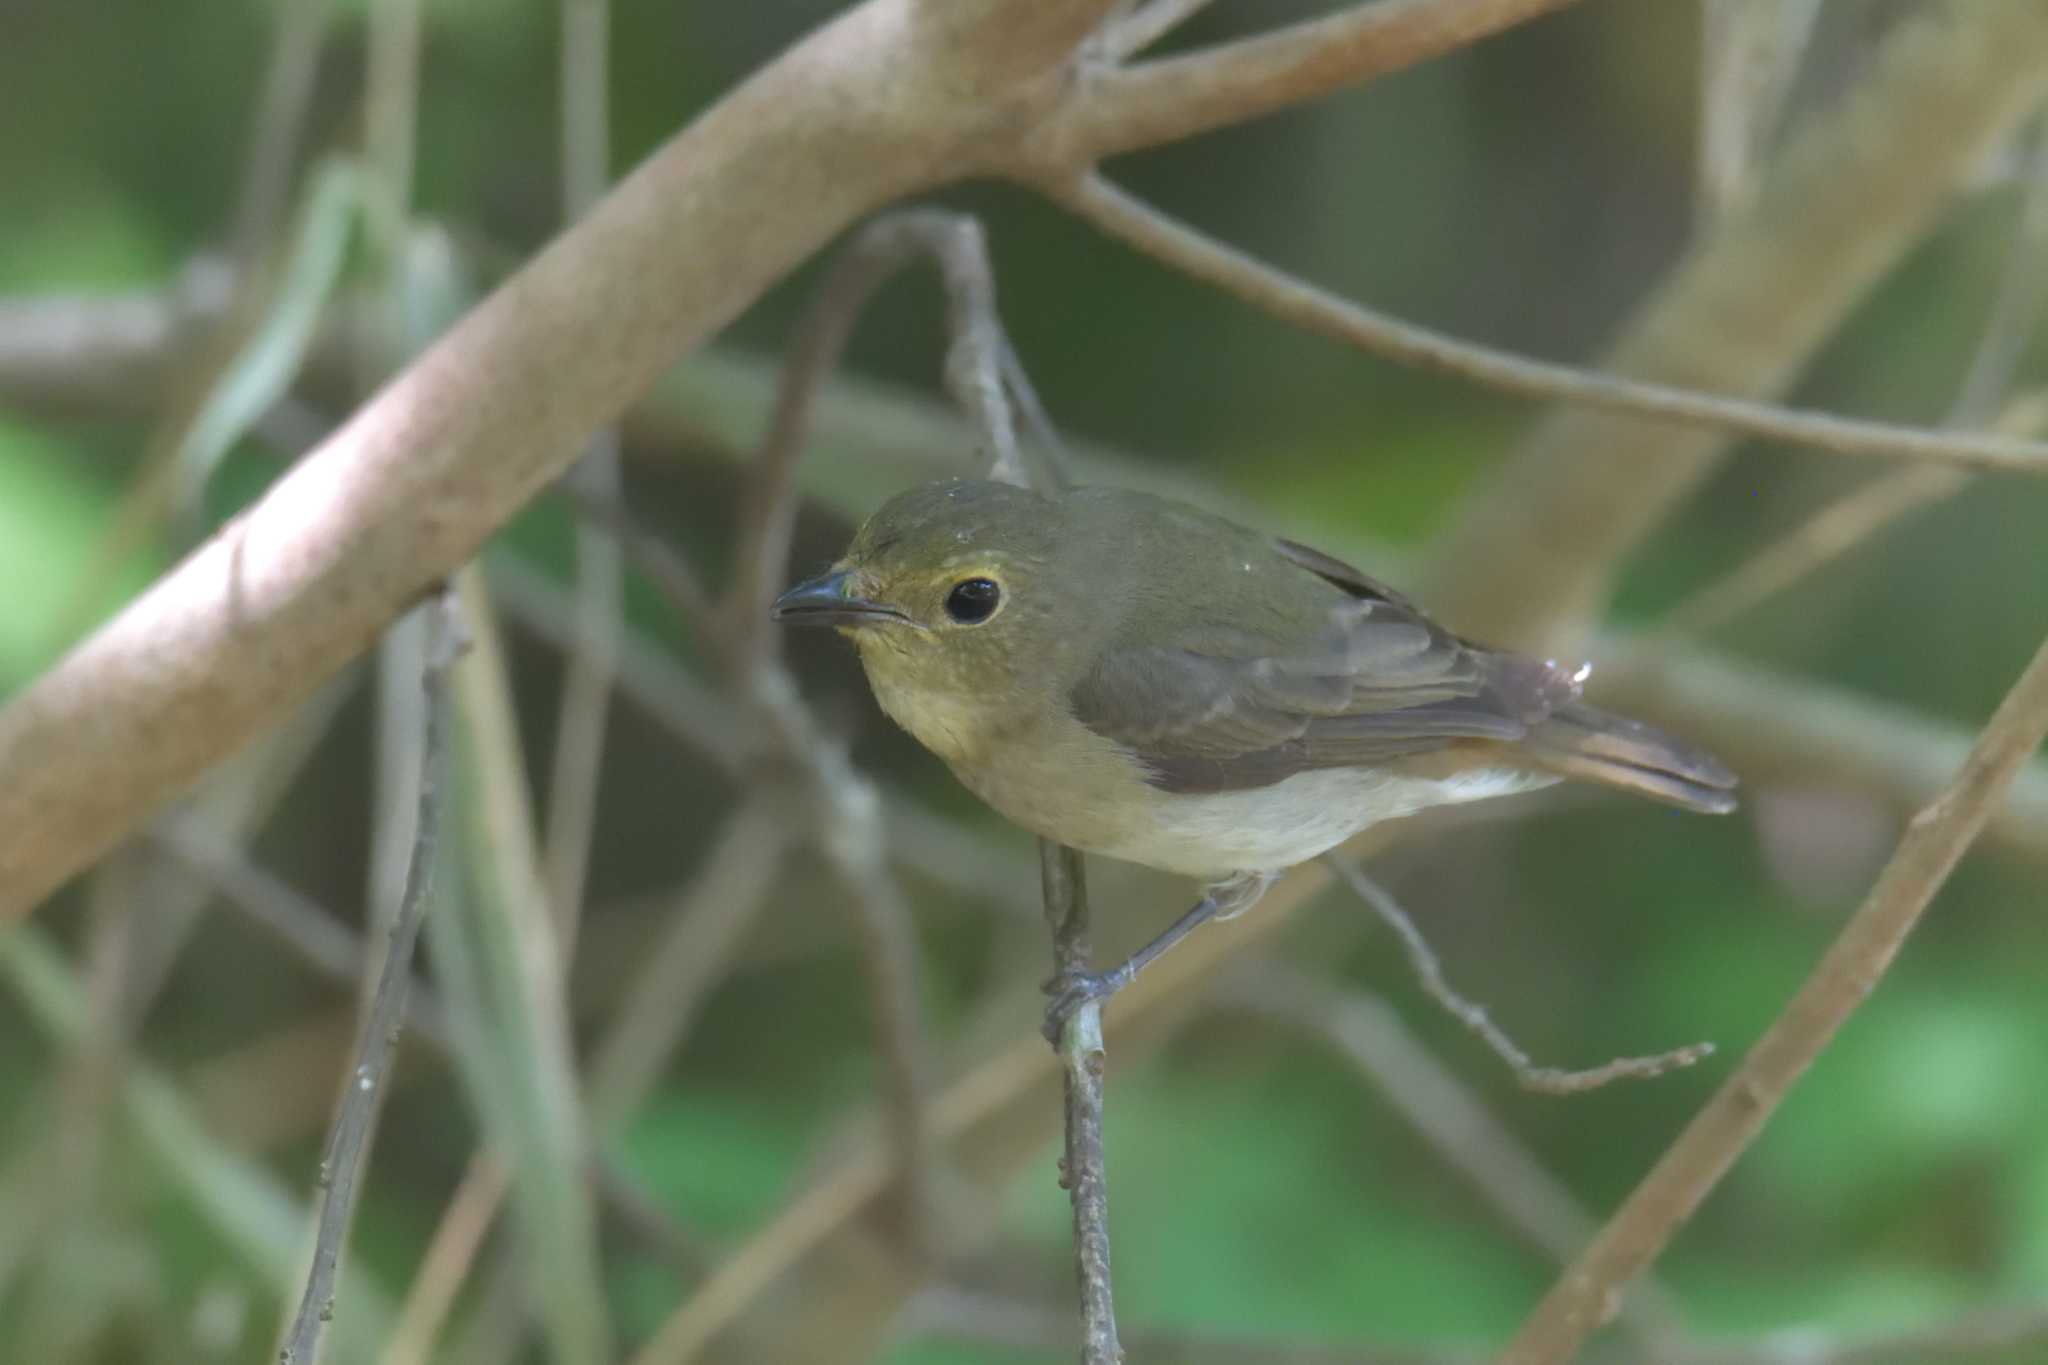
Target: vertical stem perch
point(1081, 1054)
point(348, 1144)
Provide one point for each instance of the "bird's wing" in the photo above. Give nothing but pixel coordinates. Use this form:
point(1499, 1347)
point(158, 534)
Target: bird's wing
point(1215, 708)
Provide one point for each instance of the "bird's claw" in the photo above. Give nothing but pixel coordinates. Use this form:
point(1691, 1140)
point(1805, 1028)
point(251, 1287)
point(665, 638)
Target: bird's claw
point(1071, 990)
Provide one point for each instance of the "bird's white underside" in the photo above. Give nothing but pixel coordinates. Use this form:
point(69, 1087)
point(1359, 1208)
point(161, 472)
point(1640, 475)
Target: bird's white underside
point(1266, 829)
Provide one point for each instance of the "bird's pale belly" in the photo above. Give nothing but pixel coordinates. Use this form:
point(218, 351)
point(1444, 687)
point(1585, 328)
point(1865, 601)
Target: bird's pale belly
point(1265, 829)
point(1095, 799)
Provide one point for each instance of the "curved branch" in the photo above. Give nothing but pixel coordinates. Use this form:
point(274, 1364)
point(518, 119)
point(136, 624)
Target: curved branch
point(1315, 310)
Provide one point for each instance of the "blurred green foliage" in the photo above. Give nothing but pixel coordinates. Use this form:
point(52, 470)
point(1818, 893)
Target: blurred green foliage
point(1526, 194)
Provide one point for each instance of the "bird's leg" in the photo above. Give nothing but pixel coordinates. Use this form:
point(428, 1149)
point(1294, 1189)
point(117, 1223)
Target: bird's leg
point(1227, 899)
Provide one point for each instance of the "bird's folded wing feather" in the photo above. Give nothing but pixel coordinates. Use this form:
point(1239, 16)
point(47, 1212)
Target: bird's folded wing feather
point(1214, 708)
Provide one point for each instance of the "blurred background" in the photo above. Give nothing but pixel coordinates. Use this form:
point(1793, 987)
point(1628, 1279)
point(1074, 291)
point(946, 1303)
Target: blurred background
point(174, 1026)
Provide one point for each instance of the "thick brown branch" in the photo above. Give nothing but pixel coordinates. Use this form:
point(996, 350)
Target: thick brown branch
point(893, 95)
point(1590, 1289)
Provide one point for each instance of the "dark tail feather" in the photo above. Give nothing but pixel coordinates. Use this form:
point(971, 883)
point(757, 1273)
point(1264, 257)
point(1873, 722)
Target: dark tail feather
point(1584, 742)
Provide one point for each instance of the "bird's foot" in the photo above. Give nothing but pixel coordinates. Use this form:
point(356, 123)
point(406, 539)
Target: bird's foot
point(1071, 990)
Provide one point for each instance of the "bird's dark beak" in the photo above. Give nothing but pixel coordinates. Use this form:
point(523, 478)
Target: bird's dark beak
point(829, 600)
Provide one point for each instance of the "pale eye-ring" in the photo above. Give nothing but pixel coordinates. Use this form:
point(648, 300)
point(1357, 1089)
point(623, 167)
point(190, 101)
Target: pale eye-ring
point(973, 600)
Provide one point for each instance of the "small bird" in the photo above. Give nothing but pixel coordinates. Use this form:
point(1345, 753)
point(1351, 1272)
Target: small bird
point(1133, 676)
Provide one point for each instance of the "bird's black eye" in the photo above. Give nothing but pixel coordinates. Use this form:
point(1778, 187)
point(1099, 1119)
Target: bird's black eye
point(973, 600)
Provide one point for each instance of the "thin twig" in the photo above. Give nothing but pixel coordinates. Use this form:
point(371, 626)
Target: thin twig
point(1128, 108)
point(401, 720)
point(1690, 1168)
point(1175, 244)
point(1547, 1080)
point(1082, 1172)
point(354, 1122)
point(600, 565)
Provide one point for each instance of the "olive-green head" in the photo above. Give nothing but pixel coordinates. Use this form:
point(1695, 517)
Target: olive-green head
point(962, 597)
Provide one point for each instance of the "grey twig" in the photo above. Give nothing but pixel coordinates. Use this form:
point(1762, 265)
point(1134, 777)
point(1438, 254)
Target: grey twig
point(1295, 301)
point(349, 1141)
point(1547, 1080)
point(1082, 1171)
point(1934, 843)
